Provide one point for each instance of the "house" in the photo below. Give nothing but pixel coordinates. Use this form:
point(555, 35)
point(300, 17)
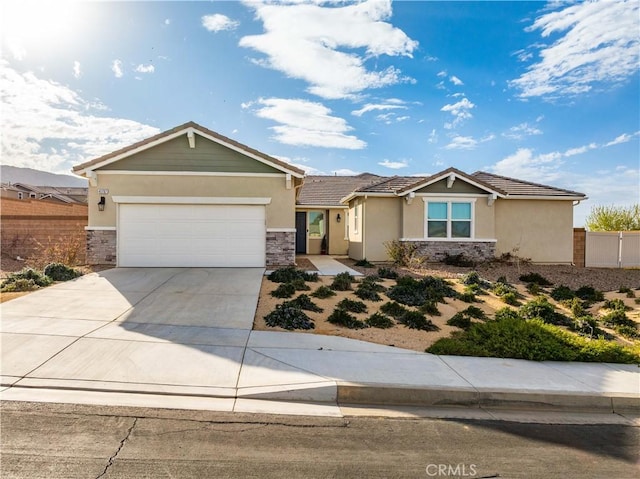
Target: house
point(23, 191)
point(192, 197)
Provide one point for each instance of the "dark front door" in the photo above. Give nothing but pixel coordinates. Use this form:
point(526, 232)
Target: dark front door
point(301, 232)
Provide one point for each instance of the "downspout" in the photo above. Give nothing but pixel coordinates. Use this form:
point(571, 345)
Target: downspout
point(363, 222)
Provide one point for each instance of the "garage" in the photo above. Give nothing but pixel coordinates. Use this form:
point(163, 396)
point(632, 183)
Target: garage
point(191, 235)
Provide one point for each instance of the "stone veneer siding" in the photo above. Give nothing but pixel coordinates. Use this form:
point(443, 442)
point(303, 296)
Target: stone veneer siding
point(281, 248)
point(101, 247)
point(437, 250)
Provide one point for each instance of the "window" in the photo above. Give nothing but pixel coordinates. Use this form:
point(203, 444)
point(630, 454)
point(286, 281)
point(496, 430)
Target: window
point(32, 195)
point(20, 195)
point(356, 218)
point(449, 219)
point(316, 224)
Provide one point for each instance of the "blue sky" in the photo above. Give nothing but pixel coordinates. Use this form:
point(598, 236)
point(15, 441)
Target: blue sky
point(546, 92)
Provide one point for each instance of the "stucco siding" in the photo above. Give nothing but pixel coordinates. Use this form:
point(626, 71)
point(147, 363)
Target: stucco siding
point(541, 230)
point(413, 219)
point(356, 234)
point(383, 222)
point(280, 213)
point(176, 155)
point(485, 225)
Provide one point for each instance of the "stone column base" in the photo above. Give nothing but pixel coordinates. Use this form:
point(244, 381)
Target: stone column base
point(477, 251)
point(101, 247)
point(281, 248)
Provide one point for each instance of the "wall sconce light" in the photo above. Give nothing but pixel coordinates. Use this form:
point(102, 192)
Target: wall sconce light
point(101, 204)
point(338, 218)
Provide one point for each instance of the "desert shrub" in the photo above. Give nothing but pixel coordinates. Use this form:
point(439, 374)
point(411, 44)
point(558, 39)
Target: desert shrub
point(506, 292)
point(413, 292)
point(576, 306)
point(289, 274)
point(323, 292)
point(532, 340)
point(288, 317)
point(628, 291)
point(60, 272)
point(343, 318)
point(393, 309)
point(476, 313)
point(416, 320)
point(430, 308)
point(542, 309)
point(562, 292)
point(628, 331)
point(352, 306)
point(617, 317)
point(615, 304)
point(460, 320)
point(342, 282)
point(590, 294)
point(367, 293)
point(387, 273)
point(467, 297)
point(637, 301)
point(284, 290)
point(378, 320)
point(458, 260)
point(506, 313)
point(373, 282)
point(535, 278)
point(67, 250)
point(24, 280)
point(534, 289)
point(510, 298)
point(304, 302)
point(300, 285)
point(363, 263)
point(402, 253)
point(587, 325)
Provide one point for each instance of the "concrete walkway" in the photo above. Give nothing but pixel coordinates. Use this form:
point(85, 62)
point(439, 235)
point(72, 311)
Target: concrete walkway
point(181, 338)
point(327, 266)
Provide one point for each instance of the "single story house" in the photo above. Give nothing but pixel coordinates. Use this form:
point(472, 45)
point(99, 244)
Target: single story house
point(192, 197)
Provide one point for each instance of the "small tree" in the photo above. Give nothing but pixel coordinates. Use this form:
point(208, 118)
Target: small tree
point(614, 218)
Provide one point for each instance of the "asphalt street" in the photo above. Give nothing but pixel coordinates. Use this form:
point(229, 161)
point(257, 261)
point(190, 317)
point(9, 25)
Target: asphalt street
point(73, 441)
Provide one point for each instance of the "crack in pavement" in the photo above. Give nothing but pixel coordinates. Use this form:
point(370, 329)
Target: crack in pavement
point(122, 443)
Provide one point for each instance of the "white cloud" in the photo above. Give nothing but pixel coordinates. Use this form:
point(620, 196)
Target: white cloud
point(402, 118)
point(599, 43)
point(318, 44)
point(50, 127)
point(345, 172)
point(377, 106)
point(442, 74)
point(116, 68)
point(394, 165)
point(460, 112)
point(77, 72)
point(455, 80)
point(625, 137)
point(217, 22)
point(145, 68)
point(461, 143)
point(306, 123)
point(525, 165)
point(522, 130)
point(167, 21)
point(580, 150)
point(433, 136)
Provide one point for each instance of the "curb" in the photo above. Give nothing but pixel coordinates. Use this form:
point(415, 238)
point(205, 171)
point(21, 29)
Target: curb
point(371, 394)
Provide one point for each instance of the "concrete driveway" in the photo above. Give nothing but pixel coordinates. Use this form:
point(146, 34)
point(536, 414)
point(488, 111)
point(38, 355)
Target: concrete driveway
point(163, 330)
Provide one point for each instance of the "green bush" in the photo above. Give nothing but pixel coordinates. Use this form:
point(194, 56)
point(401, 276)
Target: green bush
point(291, 273)
point(615, 304)
point(387, 273)
point(393, 309)
point(476, 313)
point(416, 320)
point(285, 290)
point(628, 331)
point(342, 282)
point(532, 340)
point(430, 308)
point(323, 292)
point(468, 297)
point(590, 294)
point(587, 325)
point(618, 318)
point(458, 260)
point(510, 298)
point(27, 278)
point(402, 254)
point(576, 306)
point(460, 320)
point(367, 294)
point(304, 302)
point(363, 263)
point(343, 318)
point(413, 292)
point(372, 282)
point(506, 313)
point(378, 320)
point(562, 292)
point(352, 306)
point(535, 278)
point(534, 289)
point(300, 285)
point(289, 317)
point(60, 272)
point(628, 291)
point(542, 309)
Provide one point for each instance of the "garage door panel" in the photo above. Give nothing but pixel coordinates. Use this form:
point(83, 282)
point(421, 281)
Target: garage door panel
point(191, 235)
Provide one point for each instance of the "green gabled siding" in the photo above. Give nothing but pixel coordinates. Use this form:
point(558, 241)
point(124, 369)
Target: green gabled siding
point(175, 155)
point(459, 186)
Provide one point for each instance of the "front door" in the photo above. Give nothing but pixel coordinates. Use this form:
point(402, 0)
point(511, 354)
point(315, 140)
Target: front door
point(301, 232)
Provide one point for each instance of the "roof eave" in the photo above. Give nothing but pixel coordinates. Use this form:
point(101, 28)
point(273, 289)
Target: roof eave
point(458, 175)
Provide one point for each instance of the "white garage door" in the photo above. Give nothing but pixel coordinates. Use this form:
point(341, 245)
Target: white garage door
point(191, 235)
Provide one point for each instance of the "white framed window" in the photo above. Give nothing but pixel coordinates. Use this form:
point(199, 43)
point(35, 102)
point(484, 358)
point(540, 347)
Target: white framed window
point(32, 195)
point(20, 195)
point(449, 219)
point(316, 224)
point(356, 218)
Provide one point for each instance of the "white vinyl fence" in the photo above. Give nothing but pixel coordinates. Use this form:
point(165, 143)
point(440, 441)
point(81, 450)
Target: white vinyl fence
point(612, 249)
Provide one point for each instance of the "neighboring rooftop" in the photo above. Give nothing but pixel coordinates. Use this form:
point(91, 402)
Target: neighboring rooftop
point(329, 190)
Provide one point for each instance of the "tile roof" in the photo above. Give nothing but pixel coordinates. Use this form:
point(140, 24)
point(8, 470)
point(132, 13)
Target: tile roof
point(329, 190)
point(177, 129)
point(514, 187)
point(391, 185)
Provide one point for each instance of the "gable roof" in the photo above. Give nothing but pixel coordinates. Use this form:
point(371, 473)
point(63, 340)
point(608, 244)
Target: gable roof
point(186, 129)
point(514, 187)
point(450, 173)
point(329, 190)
